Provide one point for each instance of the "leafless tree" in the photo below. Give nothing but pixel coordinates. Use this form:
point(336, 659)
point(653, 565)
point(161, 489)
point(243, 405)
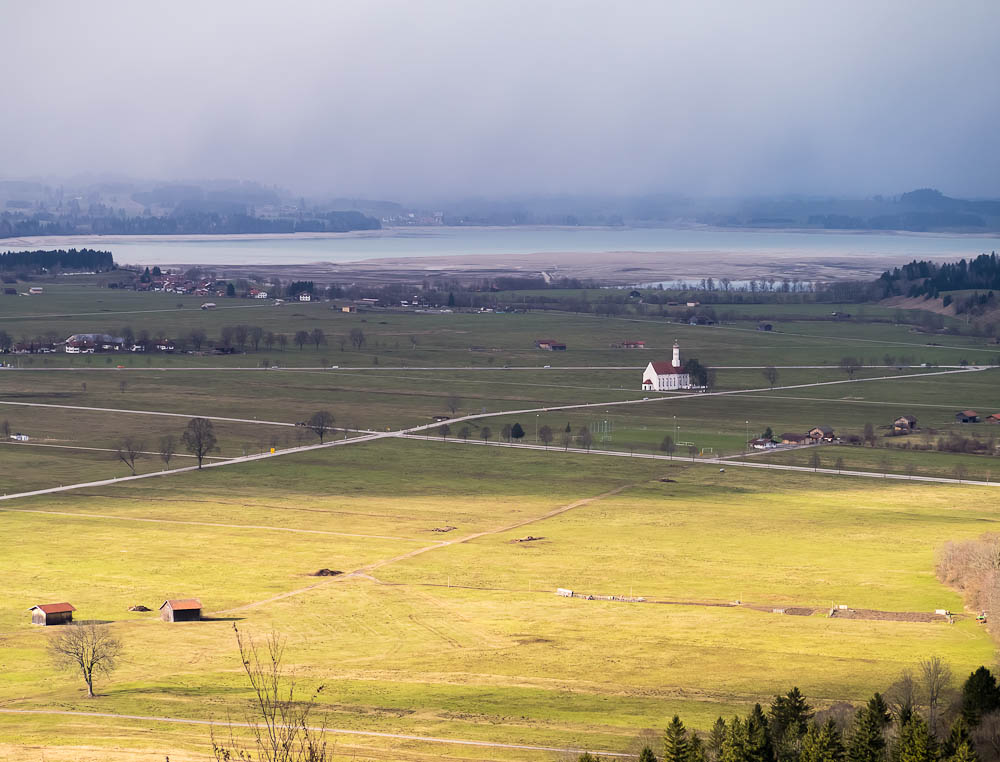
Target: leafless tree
point(301, 338)
point(464, 433)
point(317, 337)
point(128, 450)
point(279, 722)
point(168, 446)
point(771, 375)
point(241, 333)
point(197, 337)
point(282, 341)
point(453, 402)
point(199, 438)
point(5, 428)
point(546, 436)
point(850, 365)
point(321, 422)
point(935, 678)
point(902, 694)
point(269, 339)
point(90, 648)
point(122, 385)
point(585, 437)
point(485, 433)
point(256, 334)
point(444, 430)
point(357, 337)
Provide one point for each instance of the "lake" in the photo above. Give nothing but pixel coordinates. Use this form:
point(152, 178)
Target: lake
point(441, 241)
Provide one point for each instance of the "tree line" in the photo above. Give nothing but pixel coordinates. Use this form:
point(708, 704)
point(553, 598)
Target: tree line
point(41, 260)
point(924, 278)
point(920, 718)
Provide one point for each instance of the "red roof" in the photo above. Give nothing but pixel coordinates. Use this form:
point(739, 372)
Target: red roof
point(53, 608)
point(183, 604)
point(665, 369)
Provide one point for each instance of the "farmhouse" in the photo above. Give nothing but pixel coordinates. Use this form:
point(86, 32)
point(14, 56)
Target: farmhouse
point(822, 434)
point(665, 376)
point(795, 439)
point(995, 418)
point(627, 344)
point(51, 613)
point(35, 290)
point(181, 610)
point(904, 424)
point(305, 297)
point(550, 346)
point(763, 443)
point(967, 416)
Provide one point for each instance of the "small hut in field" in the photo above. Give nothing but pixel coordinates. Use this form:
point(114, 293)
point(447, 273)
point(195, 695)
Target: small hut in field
point(51, 613)
point(181, 610)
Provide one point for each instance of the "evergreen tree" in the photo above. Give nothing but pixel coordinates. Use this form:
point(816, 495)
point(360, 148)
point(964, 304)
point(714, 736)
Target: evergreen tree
point(759, 736)
point(646, 755)
point(516, 432)
point(823, 744)
point(697, 751)
point(716, 737)
point(676, 747)
point(964, 753)
point(916, 744)
point(960, 735)
point(736, 746)
point(867, 739)
point(789, 714)
point(980, 695)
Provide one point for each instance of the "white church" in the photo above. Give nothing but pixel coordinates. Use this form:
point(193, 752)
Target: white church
point(666, 376)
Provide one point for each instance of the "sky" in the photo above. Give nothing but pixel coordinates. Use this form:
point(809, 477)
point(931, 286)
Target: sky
point(429, 99)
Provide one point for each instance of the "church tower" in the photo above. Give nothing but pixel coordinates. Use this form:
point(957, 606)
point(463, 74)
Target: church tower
point(676, 362)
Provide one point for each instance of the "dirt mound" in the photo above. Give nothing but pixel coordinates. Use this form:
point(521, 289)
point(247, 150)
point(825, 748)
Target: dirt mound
point(444, 529)
point(668, 481)
point(887, 616)
point(139, 607)
point(798, 611)
point(529, 538)
point(326, 573)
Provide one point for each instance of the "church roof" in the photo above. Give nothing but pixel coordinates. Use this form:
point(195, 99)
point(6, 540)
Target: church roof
point(666, 369)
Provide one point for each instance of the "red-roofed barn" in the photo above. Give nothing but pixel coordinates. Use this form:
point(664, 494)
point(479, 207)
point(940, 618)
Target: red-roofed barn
point(181, 610)
point(51, 613)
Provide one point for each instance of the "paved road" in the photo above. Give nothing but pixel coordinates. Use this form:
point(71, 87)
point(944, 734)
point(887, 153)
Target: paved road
point(103, 449)
point(723, 462)
point(335, 731)
point(383, 368)
point(146, 412)
point(427, 427)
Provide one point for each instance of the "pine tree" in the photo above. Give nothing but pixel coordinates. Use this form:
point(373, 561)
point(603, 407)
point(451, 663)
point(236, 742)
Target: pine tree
point(980, 695)
point(867, 740)
point(697, 750)
point(916, 744)
point(823, 744)
point(676, 747)
point(735, 747)
point(716, 737)
point(789, 717)
point(646, 755)
point(960, 735)
point(759, 737)
point(964, 753)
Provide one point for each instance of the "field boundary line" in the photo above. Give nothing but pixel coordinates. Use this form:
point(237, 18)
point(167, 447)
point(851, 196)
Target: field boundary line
point(369, 733)
point(106, 449)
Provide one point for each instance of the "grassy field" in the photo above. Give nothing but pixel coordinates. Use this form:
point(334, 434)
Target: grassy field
point(466, 638)
point(444, 624)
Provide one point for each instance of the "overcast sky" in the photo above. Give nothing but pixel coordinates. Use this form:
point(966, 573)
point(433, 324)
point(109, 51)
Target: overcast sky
point(429, 98)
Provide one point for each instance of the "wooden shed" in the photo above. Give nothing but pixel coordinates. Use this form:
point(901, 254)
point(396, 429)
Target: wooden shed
point(967, 416)
point(51, 613)
point(181, 610)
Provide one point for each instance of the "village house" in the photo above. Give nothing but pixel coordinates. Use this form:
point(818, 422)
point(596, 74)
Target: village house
point(181, 610)
point(795, 439)
point(967, 416)
point(550, 346)
point(822, 434)
point(763, 443)
point(305, 297)
point(995, 418)
point(666, 376)
point(904, 424)
point(630, 344)
point(47, 614)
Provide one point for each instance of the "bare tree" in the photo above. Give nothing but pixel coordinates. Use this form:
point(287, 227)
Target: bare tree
point(279, 726)
point(850, 365)
point(321, 422)
point(464, 433)
point(546, 436)
point(814, 460)
point(357, 337)
point(122, 385)
point(241, 333)
point(90, 648)
point(301, 338)
point(317, 337)
point(256, 334)
point(453, 402)
point(282, 341)
point(269, 339)
point(771, 375)
point(168, 446)
point(199, 438)
point(444, 430)
point(197, 337)
point(935, 678)
point(585, 437)
point(485, 433)
point(5, 428)
point(128, 450)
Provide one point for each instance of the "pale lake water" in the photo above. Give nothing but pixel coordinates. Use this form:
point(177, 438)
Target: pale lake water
point(495, 242)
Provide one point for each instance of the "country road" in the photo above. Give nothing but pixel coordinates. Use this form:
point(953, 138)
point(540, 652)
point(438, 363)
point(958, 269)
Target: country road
point(368, 437)
point(335, 731)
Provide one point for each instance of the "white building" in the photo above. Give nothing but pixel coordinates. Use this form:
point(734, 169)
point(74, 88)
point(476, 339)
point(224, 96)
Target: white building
point(666, 376)
point(305, 297)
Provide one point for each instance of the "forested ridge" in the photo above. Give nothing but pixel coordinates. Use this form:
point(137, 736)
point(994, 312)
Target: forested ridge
point(39, 260)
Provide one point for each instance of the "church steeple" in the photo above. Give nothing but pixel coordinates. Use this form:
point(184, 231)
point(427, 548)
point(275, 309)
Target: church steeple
point(676, 361)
